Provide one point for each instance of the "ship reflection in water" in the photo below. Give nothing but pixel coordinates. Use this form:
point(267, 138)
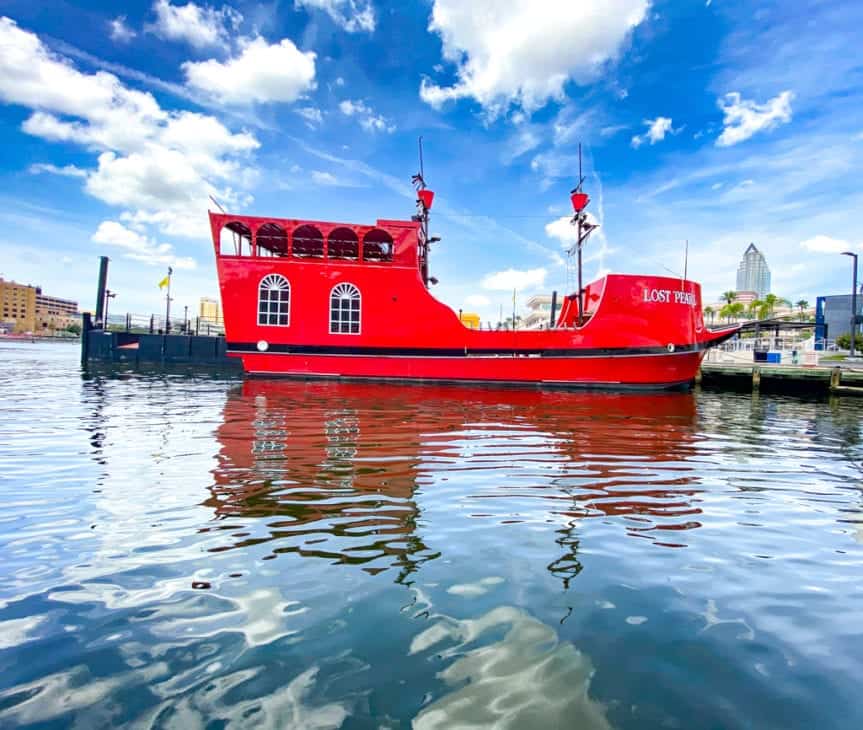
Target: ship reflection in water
point(338, 472)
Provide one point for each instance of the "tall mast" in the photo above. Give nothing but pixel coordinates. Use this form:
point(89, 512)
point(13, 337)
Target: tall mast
point(579, 200)
point(425, 197)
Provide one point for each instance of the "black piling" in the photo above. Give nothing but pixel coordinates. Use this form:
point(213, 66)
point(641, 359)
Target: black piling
point(100, 293)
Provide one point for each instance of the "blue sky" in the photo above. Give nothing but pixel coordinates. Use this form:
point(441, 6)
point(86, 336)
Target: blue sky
point(717, 121)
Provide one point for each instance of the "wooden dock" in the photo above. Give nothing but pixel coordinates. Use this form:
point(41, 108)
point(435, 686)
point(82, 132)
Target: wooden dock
point(783, 378)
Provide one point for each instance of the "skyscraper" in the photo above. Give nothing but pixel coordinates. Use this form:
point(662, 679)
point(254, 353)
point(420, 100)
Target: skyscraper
point(753, 274)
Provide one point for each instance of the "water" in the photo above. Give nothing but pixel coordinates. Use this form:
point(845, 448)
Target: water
point(191, 552)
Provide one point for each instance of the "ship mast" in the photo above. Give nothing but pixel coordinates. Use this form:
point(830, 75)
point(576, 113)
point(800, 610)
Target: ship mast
point(425, 197)
point(579, 200)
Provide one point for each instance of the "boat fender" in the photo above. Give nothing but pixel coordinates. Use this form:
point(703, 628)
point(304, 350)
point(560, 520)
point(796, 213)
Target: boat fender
point(263, 345)
point(669, 347)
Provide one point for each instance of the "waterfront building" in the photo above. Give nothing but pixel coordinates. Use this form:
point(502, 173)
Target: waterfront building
point(539, 312)
point(209, 311)
point(17, 307)
point(753, 274)
point(54, 314)
point(746, 297)
point(833, 317)
point(26, 309)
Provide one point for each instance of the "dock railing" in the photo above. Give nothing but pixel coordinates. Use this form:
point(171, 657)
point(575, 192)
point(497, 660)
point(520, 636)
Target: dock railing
point(154, 324)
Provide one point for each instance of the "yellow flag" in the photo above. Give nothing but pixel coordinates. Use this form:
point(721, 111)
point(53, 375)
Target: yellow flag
point(165, 282)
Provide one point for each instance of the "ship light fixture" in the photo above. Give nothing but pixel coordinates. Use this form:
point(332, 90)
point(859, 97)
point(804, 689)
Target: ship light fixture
point(263, 345)
point(579, 201)
point(426, 197)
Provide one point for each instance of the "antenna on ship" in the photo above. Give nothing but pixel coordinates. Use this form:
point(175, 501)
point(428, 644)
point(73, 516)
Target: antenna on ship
point(579, 200)
point(425, 198)
point(685, 260)
point(217, 204)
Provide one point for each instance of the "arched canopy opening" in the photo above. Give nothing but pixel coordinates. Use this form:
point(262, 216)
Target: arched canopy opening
point(235, 239)
point(308, 242)
point(272, 240)
point(343, 243)
point(377, 245)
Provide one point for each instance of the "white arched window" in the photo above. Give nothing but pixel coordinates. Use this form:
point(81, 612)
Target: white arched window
point(274, 301)
point(345, 310)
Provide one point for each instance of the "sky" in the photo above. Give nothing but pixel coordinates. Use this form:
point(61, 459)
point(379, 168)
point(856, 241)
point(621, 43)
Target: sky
point(716, 122)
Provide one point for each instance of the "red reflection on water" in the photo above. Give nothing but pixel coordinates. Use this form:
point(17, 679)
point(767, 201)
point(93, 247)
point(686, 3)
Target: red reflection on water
point(332, 468)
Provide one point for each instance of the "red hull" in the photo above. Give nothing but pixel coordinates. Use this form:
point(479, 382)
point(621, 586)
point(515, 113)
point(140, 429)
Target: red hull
point(639, 331)
point(644, 371)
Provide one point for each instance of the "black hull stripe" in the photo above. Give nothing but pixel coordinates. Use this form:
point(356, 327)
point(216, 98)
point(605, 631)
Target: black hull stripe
point(277, 349)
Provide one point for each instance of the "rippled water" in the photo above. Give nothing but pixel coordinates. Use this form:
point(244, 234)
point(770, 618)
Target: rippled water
point(188, 551)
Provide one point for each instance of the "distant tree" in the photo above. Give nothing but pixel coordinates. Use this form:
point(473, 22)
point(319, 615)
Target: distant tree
point(771, 300)
point(729, 296)
point(802, 305)
point(74, 328)
point(732, 311)
point(844, 341)
point(509, 324)
point(752, 309)
point(710, 312)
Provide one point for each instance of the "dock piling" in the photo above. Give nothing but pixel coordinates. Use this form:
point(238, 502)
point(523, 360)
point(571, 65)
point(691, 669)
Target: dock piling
point(835, 378)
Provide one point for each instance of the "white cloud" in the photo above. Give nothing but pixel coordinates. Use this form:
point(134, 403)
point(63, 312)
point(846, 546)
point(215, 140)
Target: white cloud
point(160, 166)
point(563, 230)
point(368, 119)
point(826, 244)
point(744, 117)
point(477, 300)
point(261, 73)
point(514, 279)
point(656, 131)
point(37, 168)
point(119, 31)
point(524, 140)
point(200, 26)
point(324, 178)
point(312, 115)
point(351, 15)
point(518, 53)
point(138, 247)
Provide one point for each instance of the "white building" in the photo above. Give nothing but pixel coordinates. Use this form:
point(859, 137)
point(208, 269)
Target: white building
point(753, 274)
point(539, 312)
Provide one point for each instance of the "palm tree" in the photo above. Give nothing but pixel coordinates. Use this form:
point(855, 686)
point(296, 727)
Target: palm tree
point(802, 305)
point(710, 312)
point(771, 300)
point(737, 309)
point(756, 307)
point(752, 308)
point(729, 296)
point(510, 324)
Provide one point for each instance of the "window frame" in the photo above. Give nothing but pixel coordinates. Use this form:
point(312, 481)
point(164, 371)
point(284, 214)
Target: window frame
point(341, 322)
point(284, 296)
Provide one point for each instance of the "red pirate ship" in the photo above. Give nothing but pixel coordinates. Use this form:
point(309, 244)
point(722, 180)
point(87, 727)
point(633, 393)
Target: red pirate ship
point(341, 300)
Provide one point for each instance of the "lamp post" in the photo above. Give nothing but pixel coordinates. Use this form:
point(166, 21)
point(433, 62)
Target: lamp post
point(108, 296)
point(853, 302)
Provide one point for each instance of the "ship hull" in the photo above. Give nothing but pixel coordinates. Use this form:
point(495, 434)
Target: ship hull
point(621, 371)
